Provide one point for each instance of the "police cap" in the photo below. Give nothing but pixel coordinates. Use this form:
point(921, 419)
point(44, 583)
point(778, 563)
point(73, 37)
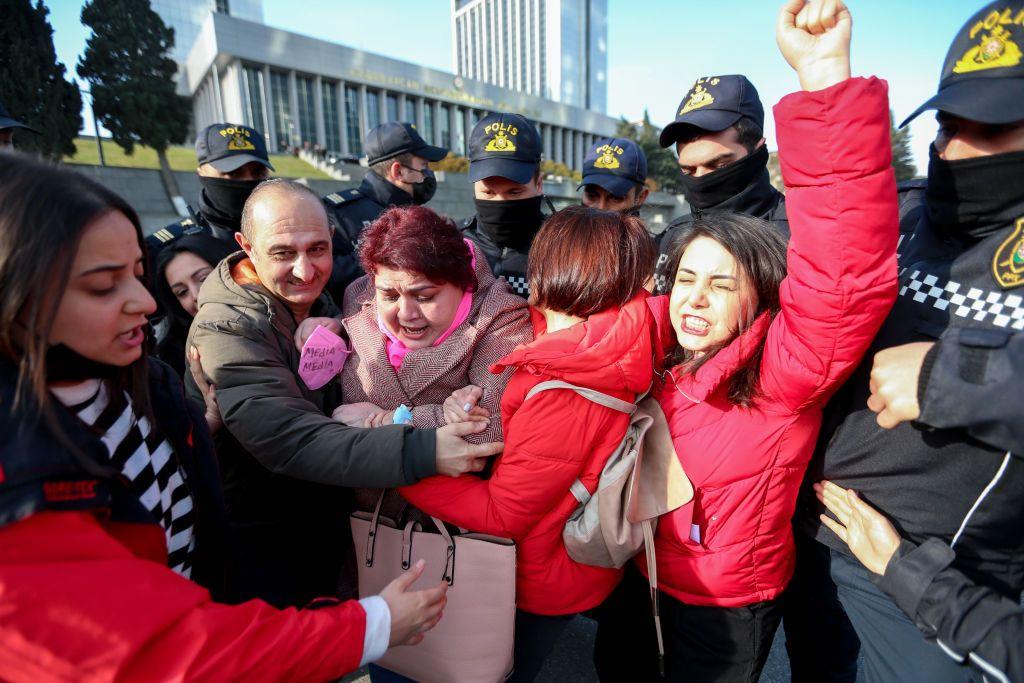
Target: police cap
point(7, 121)
point(983, 75)
point(229, 146)
point(714, 103)
point(505, 145)
point(388, 140)
point(616, 164)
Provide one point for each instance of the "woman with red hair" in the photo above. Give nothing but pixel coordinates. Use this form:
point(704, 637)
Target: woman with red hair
point(428, 320)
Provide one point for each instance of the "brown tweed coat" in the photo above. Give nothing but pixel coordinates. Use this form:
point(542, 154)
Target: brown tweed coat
point(498, 322)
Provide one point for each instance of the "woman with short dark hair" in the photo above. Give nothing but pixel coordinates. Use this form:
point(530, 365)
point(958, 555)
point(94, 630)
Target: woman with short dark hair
point(594, 330)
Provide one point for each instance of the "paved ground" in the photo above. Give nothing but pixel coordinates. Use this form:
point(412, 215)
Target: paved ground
point(571, 662)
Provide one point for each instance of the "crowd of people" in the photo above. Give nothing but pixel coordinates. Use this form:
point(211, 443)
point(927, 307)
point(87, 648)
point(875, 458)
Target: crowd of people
point(838, 368)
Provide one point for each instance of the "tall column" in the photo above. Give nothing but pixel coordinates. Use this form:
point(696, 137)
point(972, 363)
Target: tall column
point(318, 113)
point(467, 115)
point(545, 139)
point(364, 125)
point(401, 108)
point(578, 150)
point(453, 116)
point(343, 119)
point(420, 105)
point(268, 111)
point(437, 123)
point(295, 129)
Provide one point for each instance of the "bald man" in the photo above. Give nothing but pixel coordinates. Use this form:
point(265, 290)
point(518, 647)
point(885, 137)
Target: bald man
point(282, 457)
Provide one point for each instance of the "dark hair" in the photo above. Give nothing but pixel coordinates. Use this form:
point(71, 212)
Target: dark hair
point(748, 133)
point(381, 167)
point(44, 210)
point(284, 186)
point(760, 253)
point(206, 247)
point(416, 239)
point(585, 260)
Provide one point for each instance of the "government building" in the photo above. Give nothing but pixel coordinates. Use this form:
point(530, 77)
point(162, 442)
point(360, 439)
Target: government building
point(302, 91)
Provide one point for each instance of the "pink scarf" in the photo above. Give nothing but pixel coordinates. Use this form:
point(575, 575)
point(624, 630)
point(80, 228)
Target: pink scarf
point(397, 351)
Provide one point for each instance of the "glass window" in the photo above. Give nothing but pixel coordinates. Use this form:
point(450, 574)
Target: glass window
point(332, 125)
point(392, 112)
point(410, 111)
point(279, 100)
point(307, 108)
point(444, 126)
point(428, 122)
point(355, 135)
point(253, 83)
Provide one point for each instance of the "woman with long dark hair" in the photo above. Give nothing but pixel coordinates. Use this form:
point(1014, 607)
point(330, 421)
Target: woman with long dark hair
point(753, 350)
point(181, 268)
point(112, 521)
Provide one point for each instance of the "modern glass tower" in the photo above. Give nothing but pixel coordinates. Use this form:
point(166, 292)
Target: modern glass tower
point(186, 17)
point(555, 49)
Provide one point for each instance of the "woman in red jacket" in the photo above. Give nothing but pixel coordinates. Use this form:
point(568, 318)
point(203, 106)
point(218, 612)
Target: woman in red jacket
point(593, 329)
point(751, 360)
point(111, 516)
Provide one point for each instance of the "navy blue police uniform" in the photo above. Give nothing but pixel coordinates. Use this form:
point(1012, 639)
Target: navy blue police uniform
point(352, 210)
point(952, 481)
point(227, 147)
point(506, 146)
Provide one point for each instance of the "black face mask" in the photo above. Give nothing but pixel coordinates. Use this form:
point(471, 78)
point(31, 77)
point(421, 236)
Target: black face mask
point(223, 199)
point(975, 196)
point(510, 223)
point(65, 365)
point(423, 192)
point(724, 183)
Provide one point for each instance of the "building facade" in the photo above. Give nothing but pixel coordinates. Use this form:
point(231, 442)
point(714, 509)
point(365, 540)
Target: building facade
point(555, 49)
point(186, 17)
point(302, 91)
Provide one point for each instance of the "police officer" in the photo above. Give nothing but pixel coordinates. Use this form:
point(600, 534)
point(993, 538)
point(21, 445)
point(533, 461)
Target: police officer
point(399, 174)
point(928, 429)
point(504, 167)
point(614, 171)
point(7, 126)
point(719, 139)
point(232, 161)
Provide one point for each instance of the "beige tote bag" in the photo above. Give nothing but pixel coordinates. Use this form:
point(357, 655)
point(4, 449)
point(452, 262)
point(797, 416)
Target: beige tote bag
point(473, 641)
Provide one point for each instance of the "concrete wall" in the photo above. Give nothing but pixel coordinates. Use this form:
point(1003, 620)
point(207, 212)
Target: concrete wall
point(144, 191)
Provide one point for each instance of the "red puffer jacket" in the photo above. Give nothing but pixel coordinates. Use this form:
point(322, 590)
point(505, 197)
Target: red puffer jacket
point(551, 440)
point(732, 545)
point(86, 601)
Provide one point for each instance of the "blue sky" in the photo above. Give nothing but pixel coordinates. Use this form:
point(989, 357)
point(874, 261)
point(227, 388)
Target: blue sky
point(656, 48)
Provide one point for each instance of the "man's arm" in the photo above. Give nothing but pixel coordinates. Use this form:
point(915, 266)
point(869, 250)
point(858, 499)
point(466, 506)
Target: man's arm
point(264, 409)
point(974, 379)
point(972, 624)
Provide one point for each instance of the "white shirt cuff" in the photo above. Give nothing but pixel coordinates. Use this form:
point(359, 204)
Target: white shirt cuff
point(378, 628)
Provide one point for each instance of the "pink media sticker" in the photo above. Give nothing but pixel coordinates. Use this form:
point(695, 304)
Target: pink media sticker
point(323, 357)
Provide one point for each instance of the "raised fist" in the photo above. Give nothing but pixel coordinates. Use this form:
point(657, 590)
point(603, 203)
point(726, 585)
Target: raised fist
point(814, 37)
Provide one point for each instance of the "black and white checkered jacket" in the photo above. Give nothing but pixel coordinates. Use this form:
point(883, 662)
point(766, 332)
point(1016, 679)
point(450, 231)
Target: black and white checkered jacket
point(957, 473)
point(505, 262)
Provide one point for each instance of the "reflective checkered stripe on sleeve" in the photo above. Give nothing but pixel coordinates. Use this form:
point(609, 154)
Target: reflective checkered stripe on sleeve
point(995, 308)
